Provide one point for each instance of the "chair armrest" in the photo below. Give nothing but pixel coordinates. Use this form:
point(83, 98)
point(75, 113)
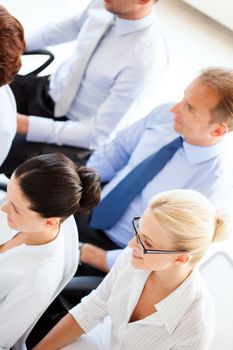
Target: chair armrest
point(83, 283)
point(76, 289)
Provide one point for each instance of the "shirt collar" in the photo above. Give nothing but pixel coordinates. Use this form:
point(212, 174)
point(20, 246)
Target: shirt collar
point(126, 26)
point(184, 295)
point(200, 154)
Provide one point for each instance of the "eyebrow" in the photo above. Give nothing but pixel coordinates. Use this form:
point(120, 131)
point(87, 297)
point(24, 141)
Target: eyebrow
point(146, 237)
point(190, 106)
point(17, 209)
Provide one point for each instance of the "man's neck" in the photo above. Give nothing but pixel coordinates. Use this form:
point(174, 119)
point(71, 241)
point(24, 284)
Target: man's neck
point(144, 11)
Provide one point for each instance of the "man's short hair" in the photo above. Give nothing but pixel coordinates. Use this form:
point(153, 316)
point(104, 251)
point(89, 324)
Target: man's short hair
point(12, 45)
point(220, 80)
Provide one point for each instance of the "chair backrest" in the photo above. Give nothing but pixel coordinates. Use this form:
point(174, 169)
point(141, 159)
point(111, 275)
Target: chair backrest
point(43, 65)
point(70, 267)
point(217, 273)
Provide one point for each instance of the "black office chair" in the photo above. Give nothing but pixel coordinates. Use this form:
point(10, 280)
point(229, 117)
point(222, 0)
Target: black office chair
point(45, 64)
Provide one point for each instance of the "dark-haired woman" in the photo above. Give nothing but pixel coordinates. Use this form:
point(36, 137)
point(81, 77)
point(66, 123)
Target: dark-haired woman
point(42, 195)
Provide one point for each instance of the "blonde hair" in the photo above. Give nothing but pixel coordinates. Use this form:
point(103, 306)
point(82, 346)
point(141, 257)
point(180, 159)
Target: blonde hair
point(191, 219)
point(221, 81)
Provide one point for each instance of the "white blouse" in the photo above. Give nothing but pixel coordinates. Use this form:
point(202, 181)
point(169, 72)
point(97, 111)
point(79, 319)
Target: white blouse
point(7, 120)
point(29, 275)
point(184, 320)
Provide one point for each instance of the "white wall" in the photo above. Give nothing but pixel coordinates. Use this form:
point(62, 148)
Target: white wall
point(221, 11)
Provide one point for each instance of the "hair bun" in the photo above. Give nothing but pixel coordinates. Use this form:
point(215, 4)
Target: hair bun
point(91, 188)
point(222, 223)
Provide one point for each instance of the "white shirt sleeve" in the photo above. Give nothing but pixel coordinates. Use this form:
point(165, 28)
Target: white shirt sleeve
point(17, 312)
point(93, 308)
point(114, 155)
point(7, 121)
point(55, 33)
point(96, 130)
point(112, 256)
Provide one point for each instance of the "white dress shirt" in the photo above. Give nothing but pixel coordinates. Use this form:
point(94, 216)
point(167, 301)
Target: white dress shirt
point(184, 320)
point(207, 169)
point(127, 65)
point(7, 120)
point(29, 277)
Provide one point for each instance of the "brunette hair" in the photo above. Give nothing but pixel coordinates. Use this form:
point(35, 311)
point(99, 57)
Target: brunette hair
point(12, 45)
point(56, 186)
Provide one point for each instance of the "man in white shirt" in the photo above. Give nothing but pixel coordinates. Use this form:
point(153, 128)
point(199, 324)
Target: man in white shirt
point(120, 57)
point(11, 48)
point(203, 118)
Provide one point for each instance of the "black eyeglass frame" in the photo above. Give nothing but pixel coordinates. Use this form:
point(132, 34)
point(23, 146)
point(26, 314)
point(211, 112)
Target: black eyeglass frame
point(152, 251)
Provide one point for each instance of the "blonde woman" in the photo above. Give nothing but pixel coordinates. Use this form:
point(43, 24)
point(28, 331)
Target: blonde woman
point(153, 297)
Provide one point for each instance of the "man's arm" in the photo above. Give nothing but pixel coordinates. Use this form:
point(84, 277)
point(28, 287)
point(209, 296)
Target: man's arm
point(114, 155)
point(96, 130)
point(56, 33)
point(111, 157)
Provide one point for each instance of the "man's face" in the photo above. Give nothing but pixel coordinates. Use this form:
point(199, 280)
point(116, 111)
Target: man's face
point(122, 8)
point(192, 115)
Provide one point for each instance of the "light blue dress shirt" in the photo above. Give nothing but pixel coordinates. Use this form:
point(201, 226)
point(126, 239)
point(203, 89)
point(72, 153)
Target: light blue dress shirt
point(127, 65)
point(7, 121)
point(207, 169)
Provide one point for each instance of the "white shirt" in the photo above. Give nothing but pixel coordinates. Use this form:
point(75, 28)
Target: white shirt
point(127, 65)
point(7, 121)
point(29, 277)
point(184, 320)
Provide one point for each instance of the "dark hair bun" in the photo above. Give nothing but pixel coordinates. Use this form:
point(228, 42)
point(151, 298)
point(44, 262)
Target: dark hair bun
point(91, 189)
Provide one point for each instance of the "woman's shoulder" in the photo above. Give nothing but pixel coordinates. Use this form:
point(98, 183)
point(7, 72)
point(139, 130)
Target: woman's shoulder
point(198, 322)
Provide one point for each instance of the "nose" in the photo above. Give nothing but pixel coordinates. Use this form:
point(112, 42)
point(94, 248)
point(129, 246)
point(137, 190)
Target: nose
point(175, 107)
point(5, 207)
point(132, 243)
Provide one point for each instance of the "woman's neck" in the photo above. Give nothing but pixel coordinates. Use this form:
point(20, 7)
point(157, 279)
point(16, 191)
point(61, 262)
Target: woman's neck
point(170, 279)
point(38, 238)
point(30, 238)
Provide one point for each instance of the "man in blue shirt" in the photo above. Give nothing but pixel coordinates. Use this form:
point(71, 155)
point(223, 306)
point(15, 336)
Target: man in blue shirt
point(203, 118)
point(119, 58)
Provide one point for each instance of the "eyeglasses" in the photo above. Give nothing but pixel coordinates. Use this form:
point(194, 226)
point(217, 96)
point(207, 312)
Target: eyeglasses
point(150, 251)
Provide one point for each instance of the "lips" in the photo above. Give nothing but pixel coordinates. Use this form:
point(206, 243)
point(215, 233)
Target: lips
point(135, 256)
point(177, 121)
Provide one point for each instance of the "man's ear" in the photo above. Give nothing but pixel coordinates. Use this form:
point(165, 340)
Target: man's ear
point(53, 222)
point(220, 130)
point(183, 258)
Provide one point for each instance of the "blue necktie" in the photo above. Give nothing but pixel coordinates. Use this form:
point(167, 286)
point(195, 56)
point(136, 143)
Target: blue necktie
point(116, 202)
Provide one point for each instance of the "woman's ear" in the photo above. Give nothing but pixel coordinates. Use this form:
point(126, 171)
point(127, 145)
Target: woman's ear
point(53, 222)
point(183, 258)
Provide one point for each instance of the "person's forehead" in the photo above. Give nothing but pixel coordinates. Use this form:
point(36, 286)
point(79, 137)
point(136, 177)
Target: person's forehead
point(15, 194)
point(152, 227)
point(201, 95)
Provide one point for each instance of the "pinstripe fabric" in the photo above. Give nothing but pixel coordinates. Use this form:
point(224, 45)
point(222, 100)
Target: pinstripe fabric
point(184, 320)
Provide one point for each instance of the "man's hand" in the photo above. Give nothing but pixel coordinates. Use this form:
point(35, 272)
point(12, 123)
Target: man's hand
point(94, 256)
point(22, 124)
